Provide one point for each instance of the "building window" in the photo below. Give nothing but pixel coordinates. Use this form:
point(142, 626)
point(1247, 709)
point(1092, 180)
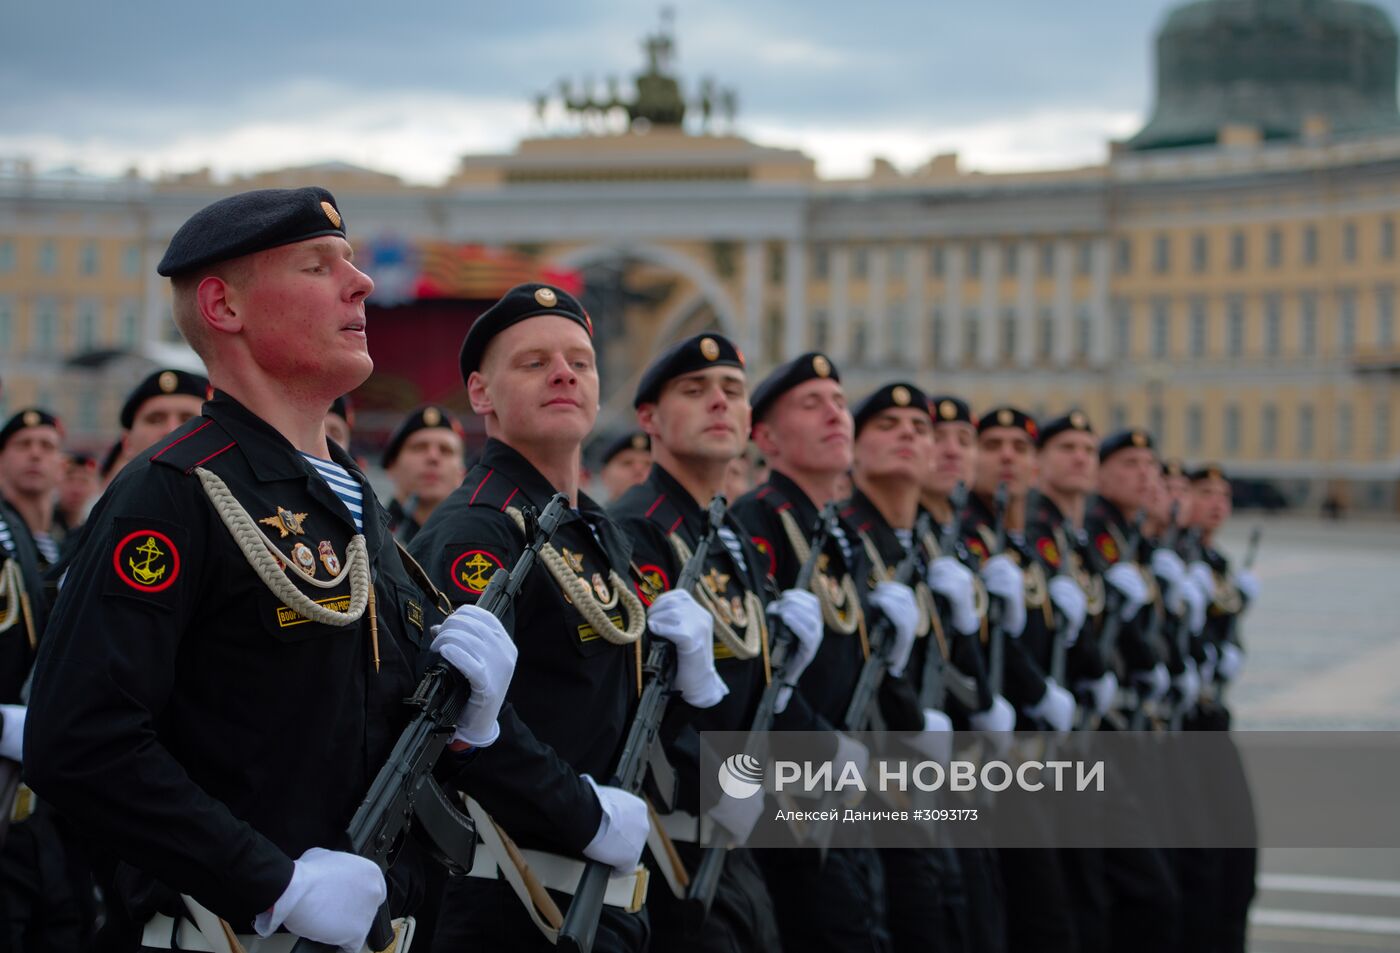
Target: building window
point(1118, 417)
point(131, 261)
point(1275, 247)
point(821, 331)
point(1268, 431)
point(1235, 325)
point(1232, 429)
point(972, 329)
point(1008, 334)
point(1157, 423)
point(776, 264)
point(1273, 325)
point(87, 409)
point(87, 258)
point(1238, 251)
point(1349, 242)
point(773, 334)
point(935, 261)
point(130, 326)
point(1387, 242)
point(45, 326)
point(898, 333)
point(974, 261)
point(1083, 332)
point(1385, 316)
point(821, 263)
point(1161, 328)
point(1200, 252)
point(1310, 244)
point(1305, 430)
point(899, 260)
point(1123, 256)
point(1380, 432)
point(1086, 257)
point(1047, 259)
point(7, 256)
point(1346, 321)
point(86, 330)
point(1162, 254)
point(1343, 434)
point(860, 262)
point(935, 338)
point(860, 338)
point(1047, 334)
point(1123, 330)
point(1199, 327)
point(1307, 337)
point(48, 257)
point(1011, 258)
point(7, 324)
point(1194, 426)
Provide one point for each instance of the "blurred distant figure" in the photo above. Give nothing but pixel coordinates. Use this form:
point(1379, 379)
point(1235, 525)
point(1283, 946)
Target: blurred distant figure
point(425, 460)
point(340, 421)
point(738, 477)
point(158, 405)
point(626, 462)
point(76, 491)
point(31, 466)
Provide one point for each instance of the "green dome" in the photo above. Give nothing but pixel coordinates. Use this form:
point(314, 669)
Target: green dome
point(1271, 64)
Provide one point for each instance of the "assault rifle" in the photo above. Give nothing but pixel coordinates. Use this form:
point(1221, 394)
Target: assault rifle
point(933, 686)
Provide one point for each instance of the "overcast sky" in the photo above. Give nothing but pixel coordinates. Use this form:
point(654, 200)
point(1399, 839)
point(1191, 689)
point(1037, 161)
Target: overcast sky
point(409, 87)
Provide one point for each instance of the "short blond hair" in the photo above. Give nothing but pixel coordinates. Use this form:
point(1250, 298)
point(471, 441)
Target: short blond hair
point(185, 300)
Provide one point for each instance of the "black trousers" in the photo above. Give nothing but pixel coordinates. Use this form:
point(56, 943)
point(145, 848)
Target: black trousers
point(46, 897)
point(479, 914)
point(836, 906)
point(741, 917)
point(926, 900)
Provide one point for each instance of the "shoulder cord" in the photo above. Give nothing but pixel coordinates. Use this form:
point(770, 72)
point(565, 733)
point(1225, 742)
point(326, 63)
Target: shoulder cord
point(749, 646)
point(846, 587)
point(577, 590)
point(17, 600)
point(258, 550)
point(922, 597)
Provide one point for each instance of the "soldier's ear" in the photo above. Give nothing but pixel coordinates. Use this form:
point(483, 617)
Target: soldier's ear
point(479, 396)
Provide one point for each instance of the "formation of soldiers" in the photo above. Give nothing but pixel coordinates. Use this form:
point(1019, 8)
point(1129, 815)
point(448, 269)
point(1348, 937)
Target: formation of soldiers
point(201, 683)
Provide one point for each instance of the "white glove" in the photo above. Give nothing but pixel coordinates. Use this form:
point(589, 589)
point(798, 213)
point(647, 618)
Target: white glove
point(898, 604)
point(1231, 662)
point(1000, 716)
point(474, 642)
point(1103, 691)
point(737, 815)
point(332, 899)
point(1167, 566)
point(1195, 605)
point(800, 611)
point(1127, 579)
point(953, 581)
point(1056, 707)
point(676, 617)
point(622, 833)
point(1154, 683)
point(12, 732)
point(1068, 596)
point(1212, 659)
point(936, 740)
point(1248, 584)
point(1200, 575)
point(1188, 684)
point(1005, 581)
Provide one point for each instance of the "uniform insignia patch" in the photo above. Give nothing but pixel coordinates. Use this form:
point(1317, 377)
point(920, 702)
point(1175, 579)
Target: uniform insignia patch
point(586, 632)
point(709, 349)
point(287, 616)
point(821, 366)
point(472, 570)
point(651, 583)
point(147, 561)
point(432, 416)
point(766, 548)
point(1107, 547)
point(415, 615)
point(1049, 551)
point(328, 557)
point(900, 396)
point(285, 522)
point(546, 297)
point(716, 581)
point(572, 559)
point(167, 382)
point(601, 590)
point(977, 548)
point(306, 562)
point(331, 214)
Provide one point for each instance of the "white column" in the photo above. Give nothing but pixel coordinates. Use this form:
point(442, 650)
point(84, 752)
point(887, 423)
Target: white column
point(1064, 304)
point(795, 298)
point(877, 316)
point(952, 307)
point(155, 299)
point(1098, 304)
point(840, 301)
point(753, 333)
point(911, 353)
point(1025, 305)
point(989, 336)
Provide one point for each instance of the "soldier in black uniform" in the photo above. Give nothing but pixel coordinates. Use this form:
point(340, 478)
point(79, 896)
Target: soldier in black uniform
point(805, 430)
point(531, 372)
point(692, 401)
point(340, 421)
point(31, 465)
point(624, 462)
point(424, 459)
point(225, 670)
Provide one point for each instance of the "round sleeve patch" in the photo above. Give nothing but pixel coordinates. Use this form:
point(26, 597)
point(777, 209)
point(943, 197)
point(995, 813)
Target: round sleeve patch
point(472, 570)
point(1049, 551)
point(1107, 547)
point(766, 548)
point(651, 583)
point(146, 560)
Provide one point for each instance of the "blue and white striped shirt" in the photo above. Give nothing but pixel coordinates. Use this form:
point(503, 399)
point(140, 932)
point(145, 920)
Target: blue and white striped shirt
point(343, 485)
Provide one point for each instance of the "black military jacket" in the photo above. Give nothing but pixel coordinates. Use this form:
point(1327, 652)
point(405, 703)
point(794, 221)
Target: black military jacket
point(1109, 534)
point(573, 692)
point(650, 513)
point(202, 731)
point(16, 651)
point(1063, 548)
point(825, 688)
point(1024, 673)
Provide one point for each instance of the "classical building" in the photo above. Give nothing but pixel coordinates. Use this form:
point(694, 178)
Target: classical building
point(1226, 277)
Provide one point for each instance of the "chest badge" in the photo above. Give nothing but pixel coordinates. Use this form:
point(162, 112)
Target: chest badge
point(716, 581)
point(301, 555)
point(285, 522)
point(573, 559)
point(328, 557)
point(600, 589)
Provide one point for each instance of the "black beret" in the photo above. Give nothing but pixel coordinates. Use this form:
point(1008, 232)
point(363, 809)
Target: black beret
point(1173, 467)
point(342, 408)
point(785, 377)
point(691, 355)
point(947, 409)
point(1008, 417)
point(1074, 420)
point(158, 383)
point(250, 222)
point(28, 417)
point(896, 395)
point(530, 300)
point(628, 441)
point(1125, 440)
point(424, 418)
point(82, 460)
point(1208, 471)
point(109, 459)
